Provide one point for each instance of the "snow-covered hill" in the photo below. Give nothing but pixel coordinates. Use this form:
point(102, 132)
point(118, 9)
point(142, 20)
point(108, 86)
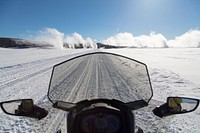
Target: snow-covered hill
point(25, 73)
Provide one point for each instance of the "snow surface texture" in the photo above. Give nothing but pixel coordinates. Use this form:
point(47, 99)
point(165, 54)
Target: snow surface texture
point(173, 72)
point(25, 73)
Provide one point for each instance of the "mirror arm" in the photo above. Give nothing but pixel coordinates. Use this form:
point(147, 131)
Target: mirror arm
point(136, 104)
point(161, 111)
point(64, 106)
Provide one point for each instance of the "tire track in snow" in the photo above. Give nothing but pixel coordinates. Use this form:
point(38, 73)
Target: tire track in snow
point(24, 77)
point(11, 75)
point(26, 70)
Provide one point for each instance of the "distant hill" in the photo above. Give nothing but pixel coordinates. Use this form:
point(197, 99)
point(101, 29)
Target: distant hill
point(20, 43)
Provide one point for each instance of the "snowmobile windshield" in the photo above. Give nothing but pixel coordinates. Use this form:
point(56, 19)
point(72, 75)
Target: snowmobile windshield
point(100, 75)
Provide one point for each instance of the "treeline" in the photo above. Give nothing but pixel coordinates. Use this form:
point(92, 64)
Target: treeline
point(101, 45)
point(19, 43)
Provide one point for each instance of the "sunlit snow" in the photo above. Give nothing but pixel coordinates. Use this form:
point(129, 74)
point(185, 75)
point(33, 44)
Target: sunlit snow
point(25, 73)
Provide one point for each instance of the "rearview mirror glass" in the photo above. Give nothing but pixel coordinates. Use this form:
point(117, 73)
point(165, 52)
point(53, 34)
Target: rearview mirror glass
point(179, 105)
point(17, 107)
point(23, 107)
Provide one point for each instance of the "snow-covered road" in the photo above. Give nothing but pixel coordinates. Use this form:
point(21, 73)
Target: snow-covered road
point(27, 75)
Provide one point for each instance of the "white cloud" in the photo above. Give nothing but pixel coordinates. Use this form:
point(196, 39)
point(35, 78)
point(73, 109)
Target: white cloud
point(121, 39)
point(51, 36)
point(56, 38)
point(77, 39)
point(74, 39)
point(188, 39)
point(153, 40)
point(91, 43)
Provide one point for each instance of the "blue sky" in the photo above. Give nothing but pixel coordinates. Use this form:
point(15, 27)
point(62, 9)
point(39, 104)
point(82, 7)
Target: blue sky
point(99, 19)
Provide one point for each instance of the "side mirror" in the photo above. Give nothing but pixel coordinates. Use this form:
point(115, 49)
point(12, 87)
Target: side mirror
point(179, 105)
point(23, 107)
point(176, 105)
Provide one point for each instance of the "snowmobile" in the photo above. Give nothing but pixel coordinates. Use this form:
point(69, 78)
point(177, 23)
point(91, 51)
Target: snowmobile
point(100, 91)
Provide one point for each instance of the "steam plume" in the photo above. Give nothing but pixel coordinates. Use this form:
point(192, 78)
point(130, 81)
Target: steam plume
point(50, 36)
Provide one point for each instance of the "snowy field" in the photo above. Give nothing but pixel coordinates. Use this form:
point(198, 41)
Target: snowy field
point(173, 72)
point(25, 73)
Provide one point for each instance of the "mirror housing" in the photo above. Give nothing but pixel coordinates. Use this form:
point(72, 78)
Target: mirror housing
point(136, 104)
point(176, 105)
point(23, 107)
